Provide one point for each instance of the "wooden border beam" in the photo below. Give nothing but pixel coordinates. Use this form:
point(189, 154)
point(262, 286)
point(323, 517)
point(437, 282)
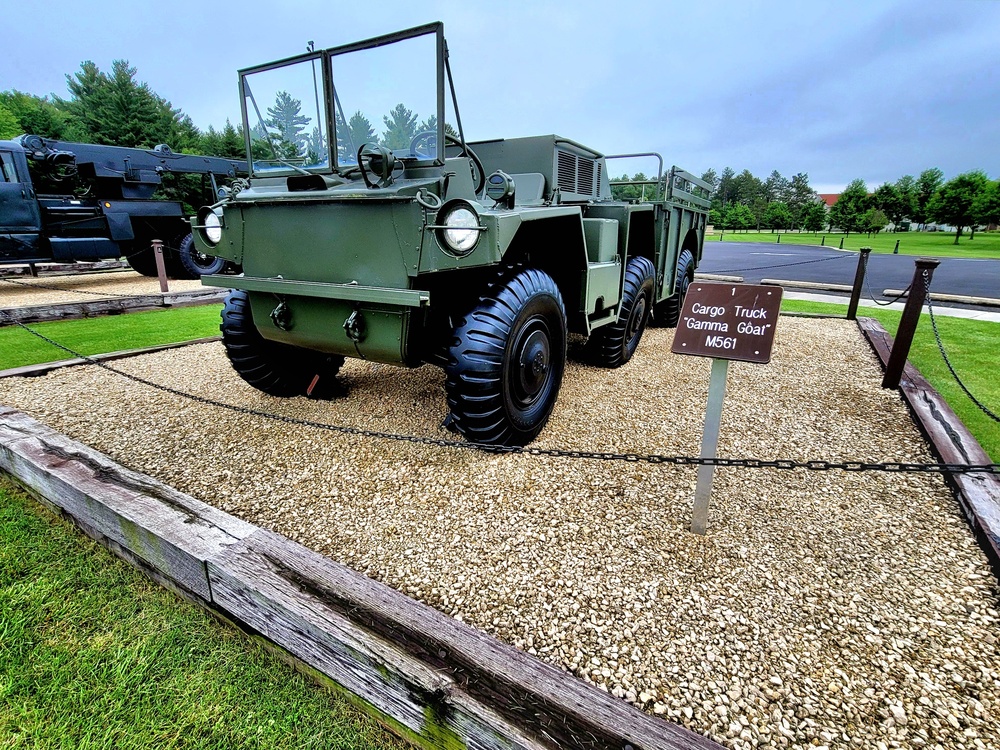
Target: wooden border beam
point(110, 306)
point(431, 679)
point(978, 494)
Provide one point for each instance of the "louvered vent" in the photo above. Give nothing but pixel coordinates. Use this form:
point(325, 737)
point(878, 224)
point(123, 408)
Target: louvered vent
point(597, 182)
point(584, 176)
point(566, 171)
point(575, 174)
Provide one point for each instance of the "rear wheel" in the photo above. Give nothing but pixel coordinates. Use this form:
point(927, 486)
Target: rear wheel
point(668, 312)
point(142, 261)
point(506, 361)
point(276, 369)
point(613, 345)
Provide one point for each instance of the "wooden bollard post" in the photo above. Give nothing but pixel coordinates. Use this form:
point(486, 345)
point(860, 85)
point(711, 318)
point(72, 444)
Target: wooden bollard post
point(859, 280)
point(841, 243)
point(161, 269)
point(895, 250)
point(922, 274)
point(822, 242)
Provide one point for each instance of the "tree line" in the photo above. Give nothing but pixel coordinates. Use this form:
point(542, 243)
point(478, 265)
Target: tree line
point(969, 200)
point(116, 109)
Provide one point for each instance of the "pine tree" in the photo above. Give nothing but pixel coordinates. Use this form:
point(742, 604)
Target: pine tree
point(400, 127)
point(286, 119)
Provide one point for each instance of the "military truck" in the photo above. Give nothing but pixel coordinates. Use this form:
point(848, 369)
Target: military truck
point(422, 247)
point(64, 202)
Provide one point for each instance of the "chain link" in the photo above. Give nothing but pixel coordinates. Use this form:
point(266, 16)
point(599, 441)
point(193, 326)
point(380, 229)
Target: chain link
point(783, 265)
point(871, 294)
point(63, 289)
point(944, 355)
point(747, 463)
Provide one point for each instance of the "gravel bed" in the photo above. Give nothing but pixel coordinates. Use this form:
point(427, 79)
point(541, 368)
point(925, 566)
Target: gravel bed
point(823, 609)
point(51, 290)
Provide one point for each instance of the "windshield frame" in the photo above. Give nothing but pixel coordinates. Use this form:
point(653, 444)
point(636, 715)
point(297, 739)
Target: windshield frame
point(325, 57)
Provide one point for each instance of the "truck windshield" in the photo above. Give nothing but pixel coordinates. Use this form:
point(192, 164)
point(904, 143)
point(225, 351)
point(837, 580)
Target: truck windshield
point(385, 94)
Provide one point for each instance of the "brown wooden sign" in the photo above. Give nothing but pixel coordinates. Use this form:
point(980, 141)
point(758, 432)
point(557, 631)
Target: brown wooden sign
point(728, 321)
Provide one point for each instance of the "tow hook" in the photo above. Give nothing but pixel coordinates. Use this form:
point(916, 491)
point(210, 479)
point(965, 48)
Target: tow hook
point(281, 316)
point(354, 327)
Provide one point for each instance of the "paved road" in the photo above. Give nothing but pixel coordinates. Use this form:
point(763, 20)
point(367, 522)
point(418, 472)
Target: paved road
point(973, 277)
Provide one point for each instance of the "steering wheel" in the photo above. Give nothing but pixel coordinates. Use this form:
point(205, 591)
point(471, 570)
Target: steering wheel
point(428, 138)
point(423, 138)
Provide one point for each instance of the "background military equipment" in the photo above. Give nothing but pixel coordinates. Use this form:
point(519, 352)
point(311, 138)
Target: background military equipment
point(85, 202)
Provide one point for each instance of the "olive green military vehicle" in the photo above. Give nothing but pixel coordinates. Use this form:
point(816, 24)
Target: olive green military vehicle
point(407, 244)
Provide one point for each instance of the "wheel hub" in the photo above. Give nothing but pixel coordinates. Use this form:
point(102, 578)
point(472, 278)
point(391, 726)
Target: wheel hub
point(638, 315)
point(534, 365)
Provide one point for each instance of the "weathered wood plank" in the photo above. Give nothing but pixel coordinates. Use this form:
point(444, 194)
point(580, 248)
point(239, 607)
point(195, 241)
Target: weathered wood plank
point(28, 371)
point(978, 494)
point(484, 692)
point(111, 306)
point(170, 532)
point(435, 681)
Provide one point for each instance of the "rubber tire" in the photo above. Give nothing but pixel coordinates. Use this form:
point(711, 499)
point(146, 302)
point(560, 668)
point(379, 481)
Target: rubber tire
point(143, 261)
point(493, 401)
point(668, 312)
point(613, 345)
point(194, 264)
point(276, 369)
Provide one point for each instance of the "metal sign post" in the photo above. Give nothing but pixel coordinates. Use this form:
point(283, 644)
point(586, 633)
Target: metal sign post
point(724, 322)
point(709, 444)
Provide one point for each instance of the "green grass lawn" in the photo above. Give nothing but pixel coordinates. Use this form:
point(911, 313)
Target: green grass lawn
point(93, 655)
point(110, 333)
point(936, 244)
point(972, 346)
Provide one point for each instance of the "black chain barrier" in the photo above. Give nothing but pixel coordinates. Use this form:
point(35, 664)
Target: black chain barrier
point(871, 294)
point(944, 355)
point(36, 285)
point(747, 463)
point(782, 265)
point(63, 289)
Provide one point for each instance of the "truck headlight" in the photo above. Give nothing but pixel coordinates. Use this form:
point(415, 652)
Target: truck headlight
point(210, 225)
point(459, 227)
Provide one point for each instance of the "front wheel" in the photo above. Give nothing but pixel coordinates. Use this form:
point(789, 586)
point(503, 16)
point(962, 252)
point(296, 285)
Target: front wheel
point(276, 369)
point(613, 345)
point(506, 361)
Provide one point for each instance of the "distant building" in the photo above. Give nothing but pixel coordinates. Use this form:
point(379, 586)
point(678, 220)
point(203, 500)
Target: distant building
point(828, 198)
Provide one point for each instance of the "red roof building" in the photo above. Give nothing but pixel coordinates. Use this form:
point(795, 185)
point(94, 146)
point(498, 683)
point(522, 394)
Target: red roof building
point(829, 198)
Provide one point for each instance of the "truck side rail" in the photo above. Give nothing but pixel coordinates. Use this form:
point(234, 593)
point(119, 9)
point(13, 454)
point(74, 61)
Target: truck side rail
point(684, 186)
point(659, 172)
point(679, 184)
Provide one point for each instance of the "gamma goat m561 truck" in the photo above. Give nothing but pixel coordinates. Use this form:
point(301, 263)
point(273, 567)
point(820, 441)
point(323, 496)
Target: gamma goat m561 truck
point(418, 246)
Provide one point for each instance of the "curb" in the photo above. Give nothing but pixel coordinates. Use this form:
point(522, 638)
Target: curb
point(808, 285)
point(960, 298)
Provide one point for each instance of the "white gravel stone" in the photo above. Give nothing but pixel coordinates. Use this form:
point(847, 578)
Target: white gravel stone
point(847, 610)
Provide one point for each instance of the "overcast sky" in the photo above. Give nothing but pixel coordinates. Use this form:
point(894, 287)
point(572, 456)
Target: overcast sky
point(839, 90)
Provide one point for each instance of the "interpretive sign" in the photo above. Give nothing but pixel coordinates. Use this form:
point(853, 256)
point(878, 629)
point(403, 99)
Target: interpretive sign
point(728, 321)
point(724, 322)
